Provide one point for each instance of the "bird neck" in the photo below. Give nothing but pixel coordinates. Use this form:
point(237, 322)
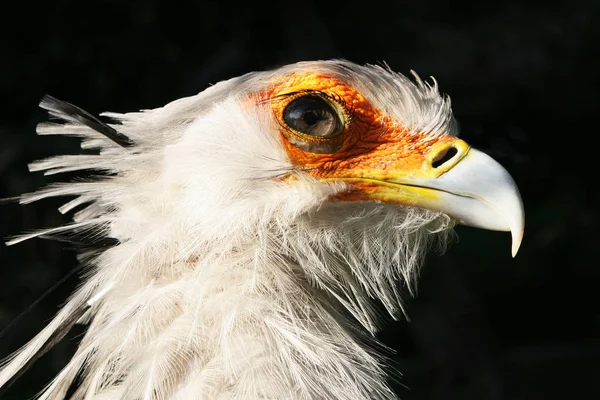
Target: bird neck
point(247, 323)
point(278, 311)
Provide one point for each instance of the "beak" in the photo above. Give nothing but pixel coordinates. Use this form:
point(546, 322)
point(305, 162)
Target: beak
point(473, 188)
point(479, 192)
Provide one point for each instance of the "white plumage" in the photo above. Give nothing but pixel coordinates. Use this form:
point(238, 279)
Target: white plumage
point(235, 274)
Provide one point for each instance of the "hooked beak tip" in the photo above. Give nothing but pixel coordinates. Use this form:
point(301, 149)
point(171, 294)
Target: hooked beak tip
point(517, 238)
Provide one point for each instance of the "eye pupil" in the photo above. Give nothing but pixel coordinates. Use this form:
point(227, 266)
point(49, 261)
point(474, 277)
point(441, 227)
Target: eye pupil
point(311, 118)
point(312, 115)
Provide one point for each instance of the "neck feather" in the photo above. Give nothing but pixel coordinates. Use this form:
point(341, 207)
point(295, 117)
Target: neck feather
point(284, 310)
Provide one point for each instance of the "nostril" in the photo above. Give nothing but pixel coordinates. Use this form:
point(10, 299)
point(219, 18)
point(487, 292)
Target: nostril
point(443, 157)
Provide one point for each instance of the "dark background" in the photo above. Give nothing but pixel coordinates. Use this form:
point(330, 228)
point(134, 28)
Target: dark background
point(523, 78)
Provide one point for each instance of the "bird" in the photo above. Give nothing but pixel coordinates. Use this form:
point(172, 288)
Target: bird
point(248, 242)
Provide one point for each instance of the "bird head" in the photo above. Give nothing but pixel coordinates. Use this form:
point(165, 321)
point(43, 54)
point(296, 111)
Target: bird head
point(312, 134)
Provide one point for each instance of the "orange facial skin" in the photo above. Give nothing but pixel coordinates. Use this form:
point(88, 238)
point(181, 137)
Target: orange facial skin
point(371, 150)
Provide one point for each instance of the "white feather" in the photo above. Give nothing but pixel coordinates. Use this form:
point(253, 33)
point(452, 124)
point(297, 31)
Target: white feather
point(228, 283)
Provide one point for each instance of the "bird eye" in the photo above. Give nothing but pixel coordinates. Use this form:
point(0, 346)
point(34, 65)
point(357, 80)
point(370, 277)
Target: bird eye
point(314, 116)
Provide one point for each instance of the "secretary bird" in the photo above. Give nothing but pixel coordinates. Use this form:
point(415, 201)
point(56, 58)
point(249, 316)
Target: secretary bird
point(248, 233)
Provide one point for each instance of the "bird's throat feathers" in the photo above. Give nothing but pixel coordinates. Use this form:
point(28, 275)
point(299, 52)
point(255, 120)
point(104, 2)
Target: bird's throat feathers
point(290, 298)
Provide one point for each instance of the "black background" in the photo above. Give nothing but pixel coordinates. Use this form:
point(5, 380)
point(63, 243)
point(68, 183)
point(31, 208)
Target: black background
point(523, 78)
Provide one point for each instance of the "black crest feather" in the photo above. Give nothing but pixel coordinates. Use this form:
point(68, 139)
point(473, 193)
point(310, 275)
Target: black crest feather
point(72, 112)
